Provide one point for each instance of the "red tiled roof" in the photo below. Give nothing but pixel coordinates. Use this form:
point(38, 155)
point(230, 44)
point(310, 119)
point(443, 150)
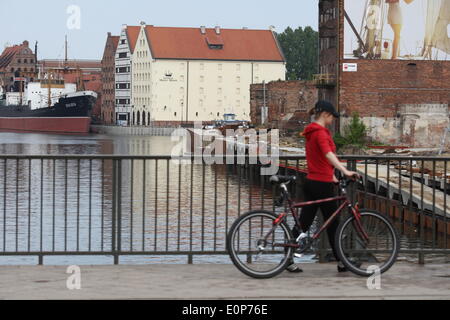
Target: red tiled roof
point(190, 43)
point(133, 34)
point(115, 41)
point(8, 54)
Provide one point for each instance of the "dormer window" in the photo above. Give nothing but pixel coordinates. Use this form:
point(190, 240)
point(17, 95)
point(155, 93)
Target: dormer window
point(214, 42)
point(215, 46)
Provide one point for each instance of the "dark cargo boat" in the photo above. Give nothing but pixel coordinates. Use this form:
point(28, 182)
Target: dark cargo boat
point(47, 106)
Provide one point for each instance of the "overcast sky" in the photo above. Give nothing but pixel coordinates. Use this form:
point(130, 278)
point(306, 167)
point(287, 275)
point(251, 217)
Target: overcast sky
point(46, 21)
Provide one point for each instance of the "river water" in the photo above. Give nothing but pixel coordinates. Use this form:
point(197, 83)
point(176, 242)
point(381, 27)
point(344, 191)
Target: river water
point(165, 207)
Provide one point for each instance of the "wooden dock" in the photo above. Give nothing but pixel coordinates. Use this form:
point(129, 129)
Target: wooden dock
point(433, 200)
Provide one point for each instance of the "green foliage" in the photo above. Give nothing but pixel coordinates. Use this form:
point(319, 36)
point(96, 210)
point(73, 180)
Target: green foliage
point(355, 134)
point(300, 47)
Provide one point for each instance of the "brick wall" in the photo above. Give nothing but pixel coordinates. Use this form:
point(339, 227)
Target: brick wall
point(382, 90)
point(288, 103)
point(108, 81)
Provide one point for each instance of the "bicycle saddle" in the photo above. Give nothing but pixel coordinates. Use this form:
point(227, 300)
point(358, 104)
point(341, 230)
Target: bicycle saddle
point(278, 179)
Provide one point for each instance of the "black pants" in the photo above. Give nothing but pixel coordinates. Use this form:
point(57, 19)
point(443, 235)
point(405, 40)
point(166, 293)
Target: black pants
point(316, 190)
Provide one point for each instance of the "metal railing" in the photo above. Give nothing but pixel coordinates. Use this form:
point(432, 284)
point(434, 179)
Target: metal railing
point(152, 206)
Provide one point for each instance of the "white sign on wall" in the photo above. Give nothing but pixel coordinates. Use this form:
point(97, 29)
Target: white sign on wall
point(350, 67)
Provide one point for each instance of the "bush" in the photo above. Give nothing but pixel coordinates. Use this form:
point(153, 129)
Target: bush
point(355, 134)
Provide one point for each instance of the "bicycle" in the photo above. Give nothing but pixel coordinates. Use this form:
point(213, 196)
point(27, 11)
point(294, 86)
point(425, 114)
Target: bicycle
point(366, 241)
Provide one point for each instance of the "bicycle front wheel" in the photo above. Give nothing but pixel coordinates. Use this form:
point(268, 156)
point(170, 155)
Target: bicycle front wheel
point(257, 245)
point(367, 247)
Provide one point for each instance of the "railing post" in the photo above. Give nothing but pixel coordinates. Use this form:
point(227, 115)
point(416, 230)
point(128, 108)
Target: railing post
point(351, 165)
point(119, 209)
point(421, 258)
point(114, 213)
point(323, 240)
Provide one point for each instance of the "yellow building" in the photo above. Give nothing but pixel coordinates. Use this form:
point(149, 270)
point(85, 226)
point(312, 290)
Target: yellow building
point(200, 74)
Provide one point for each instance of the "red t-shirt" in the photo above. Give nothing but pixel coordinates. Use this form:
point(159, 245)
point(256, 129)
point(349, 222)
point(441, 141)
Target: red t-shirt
point(318, 144)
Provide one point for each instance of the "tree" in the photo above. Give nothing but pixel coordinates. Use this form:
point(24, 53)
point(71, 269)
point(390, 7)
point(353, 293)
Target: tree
point(300, 47)
point(355, 134)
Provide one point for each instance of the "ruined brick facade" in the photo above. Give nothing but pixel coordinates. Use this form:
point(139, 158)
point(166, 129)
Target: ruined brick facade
point(403, 102)
point(288, 103)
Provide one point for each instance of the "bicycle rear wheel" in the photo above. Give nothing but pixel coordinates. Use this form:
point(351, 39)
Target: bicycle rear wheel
point(373, 249)
point(256, 245)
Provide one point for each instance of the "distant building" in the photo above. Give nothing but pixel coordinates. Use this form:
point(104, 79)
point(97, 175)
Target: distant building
point(282, 104)
point(198, 74)
point(398, 81)
point(17, 61)
point(123, 78)
point(109, 80)
point(85, 66)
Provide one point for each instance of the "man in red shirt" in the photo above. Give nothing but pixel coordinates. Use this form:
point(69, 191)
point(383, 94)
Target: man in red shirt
point(320, 181)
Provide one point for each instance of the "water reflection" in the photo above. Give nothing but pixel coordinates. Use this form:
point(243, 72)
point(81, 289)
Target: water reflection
point(67, 205)
point(59, 205)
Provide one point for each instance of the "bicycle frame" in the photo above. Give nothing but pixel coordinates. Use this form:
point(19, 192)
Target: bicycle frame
point(293, 206)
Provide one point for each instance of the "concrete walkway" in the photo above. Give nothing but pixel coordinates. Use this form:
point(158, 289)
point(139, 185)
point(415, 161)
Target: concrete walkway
point(319, 281)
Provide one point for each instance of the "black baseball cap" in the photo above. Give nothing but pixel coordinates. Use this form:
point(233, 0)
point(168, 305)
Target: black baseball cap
point(326, 106)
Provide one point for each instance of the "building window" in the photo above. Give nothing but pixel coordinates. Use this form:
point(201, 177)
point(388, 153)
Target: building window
point(219, 79)
point(238, 67)
point(219, 66)
point(238, 79)
point(122, 55)
point(123, 41)
point(202, 79)
point(123, 86)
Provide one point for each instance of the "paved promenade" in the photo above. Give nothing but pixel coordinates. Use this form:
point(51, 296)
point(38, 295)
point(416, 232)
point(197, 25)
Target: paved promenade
point(319, 281)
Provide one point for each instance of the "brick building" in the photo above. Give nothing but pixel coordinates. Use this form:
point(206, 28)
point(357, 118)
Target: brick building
point(17, 61)
point(282, 104)
point(402, 100)
point(108, 80)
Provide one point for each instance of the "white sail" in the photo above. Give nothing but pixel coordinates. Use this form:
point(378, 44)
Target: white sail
point(436, 29)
